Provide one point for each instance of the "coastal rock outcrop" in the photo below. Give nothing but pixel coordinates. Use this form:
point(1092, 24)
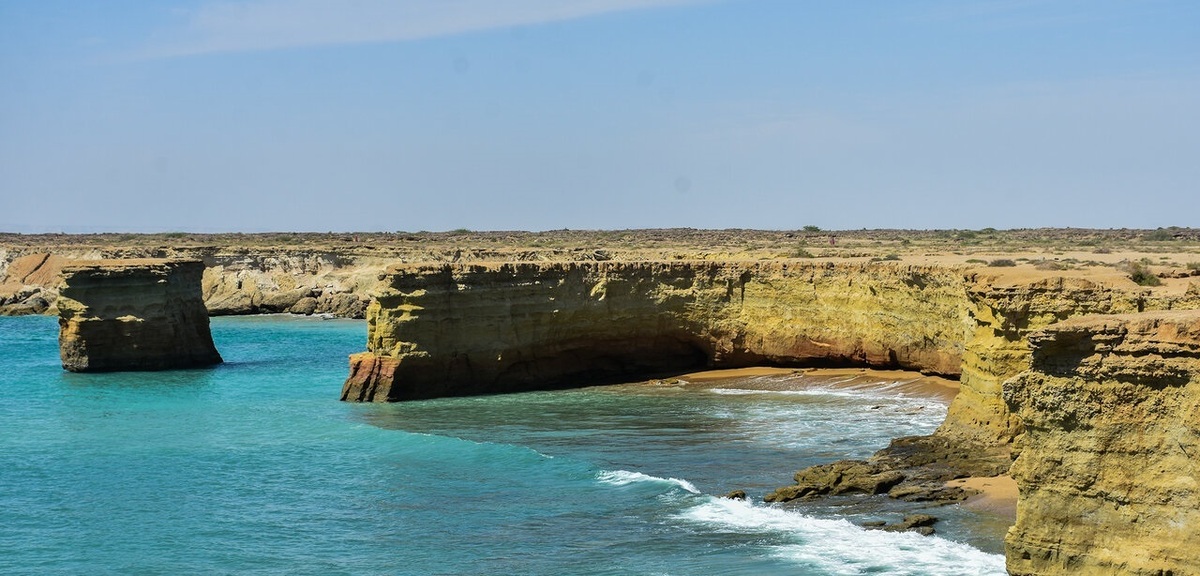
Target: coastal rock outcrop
point(235, 281)
point(456, 329)
point(978, 437)
point(133, 315)
point(1108, 475)
point(23, 286)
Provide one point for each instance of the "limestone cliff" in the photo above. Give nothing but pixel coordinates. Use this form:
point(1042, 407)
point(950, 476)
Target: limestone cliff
point(133, 315)
point(1108, 476)
point(466, 329)
point(1002, 314)
point(235, 280)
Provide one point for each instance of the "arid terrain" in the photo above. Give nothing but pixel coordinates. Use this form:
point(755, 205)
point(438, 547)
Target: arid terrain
point(280, 272)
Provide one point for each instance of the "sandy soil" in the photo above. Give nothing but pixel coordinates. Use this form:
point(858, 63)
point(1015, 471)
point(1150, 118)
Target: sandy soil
point(997, 494)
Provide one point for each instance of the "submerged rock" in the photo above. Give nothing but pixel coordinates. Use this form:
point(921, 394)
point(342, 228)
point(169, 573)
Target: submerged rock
point(145, 314)
point(920, 523)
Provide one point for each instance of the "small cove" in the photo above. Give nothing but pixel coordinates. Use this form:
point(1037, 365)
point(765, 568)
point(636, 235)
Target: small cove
point(255, 467)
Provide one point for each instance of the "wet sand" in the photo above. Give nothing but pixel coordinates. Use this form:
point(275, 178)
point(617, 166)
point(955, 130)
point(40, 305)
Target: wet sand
point(905, 381)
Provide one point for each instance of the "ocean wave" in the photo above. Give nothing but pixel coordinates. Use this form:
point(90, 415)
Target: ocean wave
point(625, 478)
point(836, 546)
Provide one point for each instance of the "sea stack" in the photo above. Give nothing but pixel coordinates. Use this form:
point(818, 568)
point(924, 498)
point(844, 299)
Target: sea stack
point(138, 314)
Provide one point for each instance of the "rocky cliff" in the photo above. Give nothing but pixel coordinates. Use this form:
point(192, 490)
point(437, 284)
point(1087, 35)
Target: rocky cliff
point(133, 315)
point(1002, 315)
point(465, 329)
point(235, 280)
point(1108, 475)
point(472, 328)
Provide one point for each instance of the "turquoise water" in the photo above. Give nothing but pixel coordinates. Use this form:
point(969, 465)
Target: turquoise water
point(254, 467)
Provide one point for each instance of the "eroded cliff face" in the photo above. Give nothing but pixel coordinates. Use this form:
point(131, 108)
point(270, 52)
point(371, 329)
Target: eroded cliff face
point(235, 281)
point(1002, 315)
point(1109, 477)
point(467, 329)
point(133, 315)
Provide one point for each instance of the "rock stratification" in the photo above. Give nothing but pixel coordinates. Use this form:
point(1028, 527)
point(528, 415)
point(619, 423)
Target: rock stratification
point(454, 329)
point(1002, 315)
point(1108, 475)
point(133, 315)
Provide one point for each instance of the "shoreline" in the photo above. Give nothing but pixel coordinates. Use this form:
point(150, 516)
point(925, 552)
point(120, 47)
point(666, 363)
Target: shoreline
point(902, 381)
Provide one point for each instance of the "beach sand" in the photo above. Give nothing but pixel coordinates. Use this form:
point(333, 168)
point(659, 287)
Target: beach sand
point(997, 494)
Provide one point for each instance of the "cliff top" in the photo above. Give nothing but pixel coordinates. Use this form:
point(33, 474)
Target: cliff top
point(120, 263)
point(1165, 260)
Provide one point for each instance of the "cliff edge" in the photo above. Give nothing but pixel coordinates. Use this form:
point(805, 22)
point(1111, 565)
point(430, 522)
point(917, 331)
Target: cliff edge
point(456, 329)
point(1108, 474)
point(143, 314)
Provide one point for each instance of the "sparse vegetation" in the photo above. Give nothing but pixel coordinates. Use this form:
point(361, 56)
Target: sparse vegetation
point(1160, 235)
point(802, 253)
point(1141, 274)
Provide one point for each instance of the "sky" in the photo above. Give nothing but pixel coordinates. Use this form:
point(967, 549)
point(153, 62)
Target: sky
point(410, 115)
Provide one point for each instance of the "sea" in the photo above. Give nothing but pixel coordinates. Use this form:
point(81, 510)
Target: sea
point(255, 467)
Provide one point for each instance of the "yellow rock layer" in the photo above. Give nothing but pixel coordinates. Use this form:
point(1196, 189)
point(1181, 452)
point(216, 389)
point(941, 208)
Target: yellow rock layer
point(475, 328)
point(1109, 476)
point(144, 314)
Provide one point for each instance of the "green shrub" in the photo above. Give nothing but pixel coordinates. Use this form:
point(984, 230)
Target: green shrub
point(802, 253)
point(1001, 263)
point(976, 261)
point(1160, 235)
point(1193, 266)
point(811, 228)
point(1141, 275)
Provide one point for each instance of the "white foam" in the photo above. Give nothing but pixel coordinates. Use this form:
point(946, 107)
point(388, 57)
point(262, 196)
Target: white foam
point(839, 547)
point(625, 478)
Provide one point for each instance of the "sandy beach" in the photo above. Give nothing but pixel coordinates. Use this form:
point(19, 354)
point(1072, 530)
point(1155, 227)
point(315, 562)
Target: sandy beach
point(997, 494)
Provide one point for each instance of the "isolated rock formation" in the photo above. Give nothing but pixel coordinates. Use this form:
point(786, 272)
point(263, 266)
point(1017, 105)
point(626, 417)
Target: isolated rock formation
point(444, 330)
point(1109, 473)
point(133, 315)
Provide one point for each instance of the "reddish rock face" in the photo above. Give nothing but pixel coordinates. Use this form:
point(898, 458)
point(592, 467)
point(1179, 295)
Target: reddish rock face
point(145, 314)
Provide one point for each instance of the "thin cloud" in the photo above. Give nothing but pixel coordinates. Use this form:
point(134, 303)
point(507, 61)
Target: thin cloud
point(256, 25)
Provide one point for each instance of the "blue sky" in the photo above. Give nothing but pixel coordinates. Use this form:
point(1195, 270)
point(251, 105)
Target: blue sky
point(332, 115)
